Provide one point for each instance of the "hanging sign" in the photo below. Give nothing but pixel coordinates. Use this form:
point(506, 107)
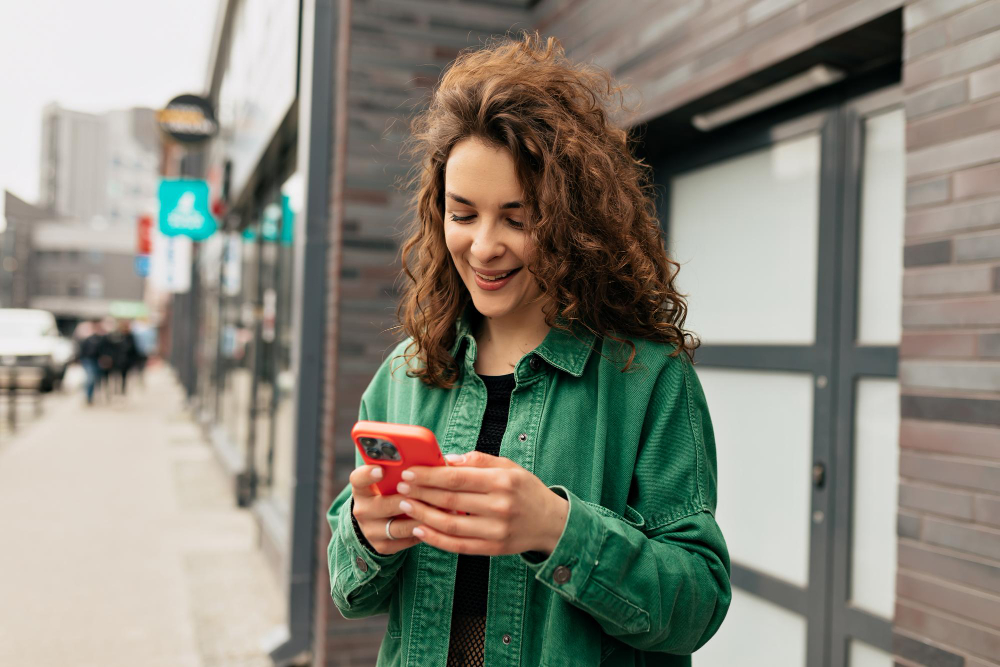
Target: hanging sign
point(188, 119)
point(184, 209)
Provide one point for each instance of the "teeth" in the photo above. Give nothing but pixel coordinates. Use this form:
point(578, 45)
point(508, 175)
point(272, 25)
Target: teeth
point(492, 278)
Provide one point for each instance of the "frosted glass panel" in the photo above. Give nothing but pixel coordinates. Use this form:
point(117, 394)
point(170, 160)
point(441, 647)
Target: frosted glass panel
point(745, 231)
point(763, 425)
point(883, 203)
point(865, 655)
point(756, 633)
point(876, 483)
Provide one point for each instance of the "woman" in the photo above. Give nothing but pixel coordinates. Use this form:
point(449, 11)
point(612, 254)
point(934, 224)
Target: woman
point(546, 353)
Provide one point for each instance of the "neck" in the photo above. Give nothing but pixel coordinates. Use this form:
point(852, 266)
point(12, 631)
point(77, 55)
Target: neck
point(510, 337)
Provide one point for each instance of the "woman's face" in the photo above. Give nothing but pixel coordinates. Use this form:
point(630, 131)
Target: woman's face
point(483, 229)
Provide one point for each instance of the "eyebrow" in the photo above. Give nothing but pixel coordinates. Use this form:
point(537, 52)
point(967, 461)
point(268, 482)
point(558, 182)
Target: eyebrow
point(463, 200)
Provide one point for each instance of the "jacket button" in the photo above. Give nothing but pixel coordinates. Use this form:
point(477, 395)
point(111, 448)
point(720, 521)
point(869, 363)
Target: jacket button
point(561, 574)
point(535, 363)
point(522, 437)
point(506, 639)
point(362, 565)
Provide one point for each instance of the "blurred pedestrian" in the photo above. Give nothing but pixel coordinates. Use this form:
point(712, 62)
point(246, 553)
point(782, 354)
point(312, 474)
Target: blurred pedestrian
point(124, 355)
point(91, 346)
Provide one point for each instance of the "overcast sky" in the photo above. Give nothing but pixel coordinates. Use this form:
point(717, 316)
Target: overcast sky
point(91, 56)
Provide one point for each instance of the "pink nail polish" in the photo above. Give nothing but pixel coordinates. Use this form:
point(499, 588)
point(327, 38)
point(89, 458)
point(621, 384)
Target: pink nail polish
point(405, 506)
point(408, 475)
point(417, 532)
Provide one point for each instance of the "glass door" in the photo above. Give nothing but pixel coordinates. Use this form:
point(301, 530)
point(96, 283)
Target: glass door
point(759, 223)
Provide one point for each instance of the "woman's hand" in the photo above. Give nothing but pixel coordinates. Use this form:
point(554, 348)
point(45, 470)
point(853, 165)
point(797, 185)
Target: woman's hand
point(372, 511)
point(509, 510)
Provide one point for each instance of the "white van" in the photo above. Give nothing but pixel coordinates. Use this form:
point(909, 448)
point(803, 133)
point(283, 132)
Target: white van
point(32, 353)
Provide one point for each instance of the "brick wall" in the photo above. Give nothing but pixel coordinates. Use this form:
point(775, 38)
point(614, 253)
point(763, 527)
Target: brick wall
point(691, 48)
point(948, 586)
point(397, 50)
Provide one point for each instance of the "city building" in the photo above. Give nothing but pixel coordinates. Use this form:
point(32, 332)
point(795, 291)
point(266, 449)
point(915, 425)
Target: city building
point(73, 167)
point(75, 269)
point(830, 172)
point(84, 270)
point(19, 217)
point(99, 173)
point(99, 165)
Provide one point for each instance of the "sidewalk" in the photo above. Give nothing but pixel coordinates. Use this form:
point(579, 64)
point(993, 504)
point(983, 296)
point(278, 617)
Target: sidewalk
point(121, 543)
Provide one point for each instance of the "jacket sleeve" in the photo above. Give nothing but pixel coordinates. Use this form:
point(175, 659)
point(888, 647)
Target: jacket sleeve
point(656, 578)
point(361, 579)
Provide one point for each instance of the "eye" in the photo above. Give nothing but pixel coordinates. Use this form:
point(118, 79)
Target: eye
point(464, 218)
point(516, 224)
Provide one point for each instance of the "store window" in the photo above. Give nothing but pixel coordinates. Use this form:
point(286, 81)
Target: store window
point(281, 455)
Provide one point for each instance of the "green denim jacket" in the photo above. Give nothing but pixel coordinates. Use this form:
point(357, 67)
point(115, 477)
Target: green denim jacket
point(634, 453)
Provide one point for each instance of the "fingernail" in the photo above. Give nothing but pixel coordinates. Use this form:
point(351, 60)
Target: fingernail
point(454, 458)
point(403, 487)
point(377, 473)
point(417, 532)
point(405, 506)
point(408, 475)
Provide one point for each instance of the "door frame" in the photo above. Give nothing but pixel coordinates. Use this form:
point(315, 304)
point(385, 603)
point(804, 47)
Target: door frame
point(854, 362)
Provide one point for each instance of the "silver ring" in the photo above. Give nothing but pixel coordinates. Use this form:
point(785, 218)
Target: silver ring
point(387, 524)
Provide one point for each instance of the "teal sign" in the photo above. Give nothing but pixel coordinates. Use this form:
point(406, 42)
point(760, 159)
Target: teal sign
point(277, 223)
point(287, 220)
point(184, 209)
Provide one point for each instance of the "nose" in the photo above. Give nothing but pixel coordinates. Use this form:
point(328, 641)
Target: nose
point(486, 243)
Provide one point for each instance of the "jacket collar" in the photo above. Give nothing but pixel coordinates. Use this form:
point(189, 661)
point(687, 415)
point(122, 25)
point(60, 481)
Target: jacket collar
point(566, 350)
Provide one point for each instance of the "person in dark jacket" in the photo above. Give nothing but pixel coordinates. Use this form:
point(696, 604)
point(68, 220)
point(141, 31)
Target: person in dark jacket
point(90, 350)
point(124, 353)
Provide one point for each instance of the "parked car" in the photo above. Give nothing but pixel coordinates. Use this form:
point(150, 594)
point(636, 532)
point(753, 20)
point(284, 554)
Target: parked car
point(32, 353)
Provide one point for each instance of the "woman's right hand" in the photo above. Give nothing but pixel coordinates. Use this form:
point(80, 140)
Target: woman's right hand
point(372, 511)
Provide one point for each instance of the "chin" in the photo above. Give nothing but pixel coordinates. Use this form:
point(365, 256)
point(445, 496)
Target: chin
point(490, 310)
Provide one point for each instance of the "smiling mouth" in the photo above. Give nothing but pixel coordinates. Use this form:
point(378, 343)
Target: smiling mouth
point(499, 276)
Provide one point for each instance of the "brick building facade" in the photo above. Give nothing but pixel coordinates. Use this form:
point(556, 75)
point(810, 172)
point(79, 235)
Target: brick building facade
point(925, 70)
point(947, 602)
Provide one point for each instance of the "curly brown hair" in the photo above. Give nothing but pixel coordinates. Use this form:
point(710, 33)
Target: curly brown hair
point(600, 258)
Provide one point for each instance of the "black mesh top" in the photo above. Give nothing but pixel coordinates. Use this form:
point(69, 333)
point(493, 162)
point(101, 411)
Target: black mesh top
point(472, 579)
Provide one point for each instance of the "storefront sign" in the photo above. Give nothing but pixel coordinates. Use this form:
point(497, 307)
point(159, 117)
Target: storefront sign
point(141, 265)
point(188, 119)
point(232, 261)
point(287, 220)
point(128, 310)
point(184, 209)
point(170, 263)
point(143, 235)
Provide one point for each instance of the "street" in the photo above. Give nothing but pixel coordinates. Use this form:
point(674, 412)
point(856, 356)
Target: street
point(122, 543)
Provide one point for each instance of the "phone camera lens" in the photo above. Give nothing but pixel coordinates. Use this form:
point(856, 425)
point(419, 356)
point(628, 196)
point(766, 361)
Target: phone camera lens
point(375, 452)
point(390, 451)
point(368, 442)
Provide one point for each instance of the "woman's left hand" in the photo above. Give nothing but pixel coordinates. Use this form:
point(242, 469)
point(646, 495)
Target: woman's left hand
point(508, 510)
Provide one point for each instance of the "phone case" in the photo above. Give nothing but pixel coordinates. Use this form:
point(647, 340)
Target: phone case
point(416, 445)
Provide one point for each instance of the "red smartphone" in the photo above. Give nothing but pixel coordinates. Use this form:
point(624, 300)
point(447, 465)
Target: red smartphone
point(395, 447)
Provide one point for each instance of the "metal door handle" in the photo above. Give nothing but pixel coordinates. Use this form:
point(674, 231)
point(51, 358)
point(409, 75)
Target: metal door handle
point(819, 475)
